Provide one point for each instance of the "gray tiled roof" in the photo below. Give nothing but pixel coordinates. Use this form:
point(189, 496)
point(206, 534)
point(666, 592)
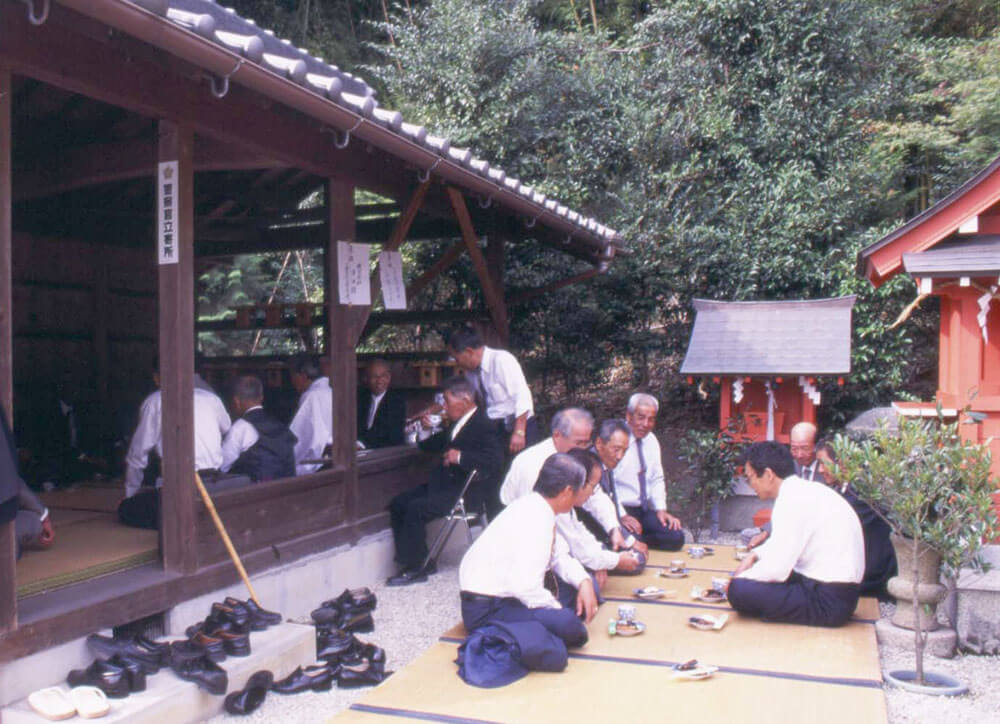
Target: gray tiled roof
point(228, 30)
point(977, 256)
point(807, 337)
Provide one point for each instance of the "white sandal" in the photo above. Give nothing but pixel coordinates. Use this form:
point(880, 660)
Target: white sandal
point(52, 703)
point(90, 702)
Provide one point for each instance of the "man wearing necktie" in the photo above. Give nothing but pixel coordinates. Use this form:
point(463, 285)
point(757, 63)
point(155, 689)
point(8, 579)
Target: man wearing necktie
point(497, 377)
point(802, 442)
point(381, 410)
point(640, 483)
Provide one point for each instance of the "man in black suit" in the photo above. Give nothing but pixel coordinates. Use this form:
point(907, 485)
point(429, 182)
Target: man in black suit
point(381, 411)
point(468, 443)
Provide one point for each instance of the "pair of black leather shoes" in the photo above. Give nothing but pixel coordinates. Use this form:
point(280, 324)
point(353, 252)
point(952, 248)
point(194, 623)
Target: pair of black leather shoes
point(150, 655)
point(250, 697)
point(350, 611)
point(117, 677)
point(332, 644)
point(318, 677)
point(199, 668)
point(365, 666)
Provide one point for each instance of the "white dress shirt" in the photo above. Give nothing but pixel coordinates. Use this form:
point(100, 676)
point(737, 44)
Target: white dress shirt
point(313, 424)
point(510, 558)
point(241, 437)
point(627, 474)
point(507, 390)
point(807, 472)
point(373, 410)
point(582, 544)
point(524, 472)
point(815, 533)
point(211, 422)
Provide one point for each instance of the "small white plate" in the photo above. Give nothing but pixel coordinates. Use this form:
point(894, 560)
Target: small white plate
point(705, 622)
point(649, 592)
point(667, 573)
point(696, 674)
point(635, 629)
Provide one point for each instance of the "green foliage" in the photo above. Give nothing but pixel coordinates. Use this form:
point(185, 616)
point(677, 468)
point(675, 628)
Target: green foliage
point(711, 458)
point(933, 486)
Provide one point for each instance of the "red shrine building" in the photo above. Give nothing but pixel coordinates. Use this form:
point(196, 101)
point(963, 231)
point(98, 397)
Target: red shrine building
point(770, 359)
point(952, 250)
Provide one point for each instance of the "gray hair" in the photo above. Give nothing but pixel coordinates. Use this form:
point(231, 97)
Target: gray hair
point(607, 428)
point(641, 398)
point(248, 388)
point(459, 386)
point(564, 420)
point(558, 471)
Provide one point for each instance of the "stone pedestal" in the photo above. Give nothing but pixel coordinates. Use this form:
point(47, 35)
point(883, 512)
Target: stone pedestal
point(977, 616)
point(940, 643)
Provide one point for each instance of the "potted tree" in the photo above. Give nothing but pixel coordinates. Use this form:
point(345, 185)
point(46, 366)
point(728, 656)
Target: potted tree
point(712, 458)
point(934, 490)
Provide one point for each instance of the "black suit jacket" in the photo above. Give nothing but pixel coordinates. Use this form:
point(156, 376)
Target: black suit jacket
point(390, 419)
point(481, 450)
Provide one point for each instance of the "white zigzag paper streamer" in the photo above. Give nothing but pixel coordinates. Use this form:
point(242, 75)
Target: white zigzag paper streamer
point(810, 389)
point(738, 390)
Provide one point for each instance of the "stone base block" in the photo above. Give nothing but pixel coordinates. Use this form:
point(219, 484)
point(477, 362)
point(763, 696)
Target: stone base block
point(977, 616)
point(736, 511)
point(940, 643)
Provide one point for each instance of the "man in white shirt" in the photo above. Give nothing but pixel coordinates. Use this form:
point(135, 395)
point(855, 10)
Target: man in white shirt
point(211, 422)
point(502, 576)
point(257, 445)
point(802, 443)
point(313, 421)
point(497, 377)
point(810, 569)
point(571, 430)
point(640, 482)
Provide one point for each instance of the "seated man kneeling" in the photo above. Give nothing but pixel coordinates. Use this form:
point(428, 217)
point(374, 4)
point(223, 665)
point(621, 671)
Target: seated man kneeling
point(502, 576)
point(257, 445)
point(809, 570)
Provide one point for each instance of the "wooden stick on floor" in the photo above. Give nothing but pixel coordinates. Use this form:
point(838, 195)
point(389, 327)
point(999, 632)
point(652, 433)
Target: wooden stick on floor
point(225, 536)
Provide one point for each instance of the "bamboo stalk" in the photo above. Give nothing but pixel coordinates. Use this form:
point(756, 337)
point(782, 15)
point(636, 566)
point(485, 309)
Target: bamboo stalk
point(225, 536)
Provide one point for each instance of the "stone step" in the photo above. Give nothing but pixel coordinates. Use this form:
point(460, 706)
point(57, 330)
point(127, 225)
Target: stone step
point(279, 649)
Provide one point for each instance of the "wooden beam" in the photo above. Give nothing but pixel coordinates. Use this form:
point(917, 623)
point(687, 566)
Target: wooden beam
point(444, 263)
point(77, 167)
point(8, 584)
point(340, 340)
point(494, 297)
point(530, 294)
point(396, 239)
point(178, 517)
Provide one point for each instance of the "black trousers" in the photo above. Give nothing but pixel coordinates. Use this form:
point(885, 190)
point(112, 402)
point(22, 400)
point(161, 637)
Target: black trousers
point(655, 534)
point(409, 514)
point(799, 600)
point(479, 610)
point(141, 510)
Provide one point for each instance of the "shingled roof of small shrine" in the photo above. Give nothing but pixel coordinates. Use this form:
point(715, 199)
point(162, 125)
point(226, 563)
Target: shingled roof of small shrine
point(796, 337)
point(977, 256)
point(242, 37)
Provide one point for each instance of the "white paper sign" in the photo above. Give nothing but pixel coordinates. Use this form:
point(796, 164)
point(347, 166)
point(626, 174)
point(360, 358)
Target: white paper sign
point(166, 212)
point(390, 272)
point(352, 265)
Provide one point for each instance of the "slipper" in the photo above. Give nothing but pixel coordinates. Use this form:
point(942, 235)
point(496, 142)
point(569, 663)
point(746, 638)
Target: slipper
point(52, 703)
point(90, 702)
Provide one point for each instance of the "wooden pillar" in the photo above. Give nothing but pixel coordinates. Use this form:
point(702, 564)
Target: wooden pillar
point(495, 255)
point(102, 307)
point(8, 584)
point(176, 343)
point(725, 402)
point(341, 334)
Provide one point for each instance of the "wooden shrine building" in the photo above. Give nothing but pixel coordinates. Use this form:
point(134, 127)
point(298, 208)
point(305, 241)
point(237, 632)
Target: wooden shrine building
point(101, 100)
point(952, 251)
point(768, 358)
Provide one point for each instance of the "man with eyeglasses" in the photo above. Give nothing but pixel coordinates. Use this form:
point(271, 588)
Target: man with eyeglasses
point(802, 443)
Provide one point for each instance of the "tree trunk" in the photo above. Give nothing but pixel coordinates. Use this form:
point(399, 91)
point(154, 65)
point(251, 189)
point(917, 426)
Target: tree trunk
point(918, 629)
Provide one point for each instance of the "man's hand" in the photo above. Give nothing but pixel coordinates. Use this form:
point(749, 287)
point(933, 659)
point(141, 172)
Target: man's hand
point(632, 524)
point(516, 441)
point(617, 539)
point(627, 561)
point(48, 535)
point(642, 548)
point(451, 456)
point(758, 539)
point(745, 564)
point(586, 601)
point(667, 520)
point(602, 579)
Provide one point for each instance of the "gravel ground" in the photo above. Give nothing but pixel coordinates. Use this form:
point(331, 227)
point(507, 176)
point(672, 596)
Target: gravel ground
point(409, 619)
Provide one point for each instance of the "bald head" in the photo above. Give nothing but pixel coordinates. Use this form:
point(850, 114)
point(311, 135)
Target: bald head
point(802, 441)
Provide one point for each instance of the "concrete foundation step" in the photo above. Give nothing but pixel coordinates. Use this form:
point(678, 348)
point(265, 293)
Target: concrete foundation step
point(169, 699)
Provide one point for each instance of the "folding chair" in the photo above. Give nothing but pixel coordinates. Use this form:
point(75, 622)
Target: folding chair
point(457, 514)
